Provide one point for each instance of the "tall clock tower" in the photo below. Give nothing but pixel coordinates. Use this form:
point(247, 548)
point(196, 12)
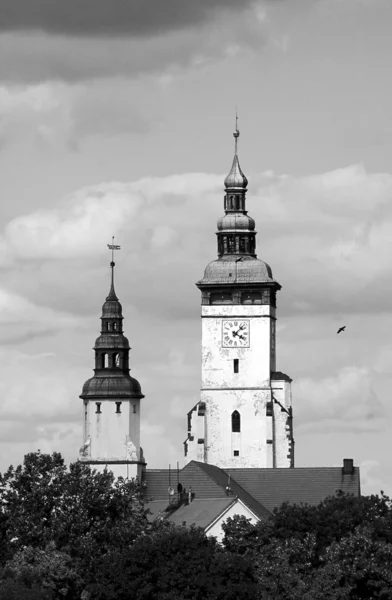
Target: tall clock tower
point(111, 399)
point(244, 416)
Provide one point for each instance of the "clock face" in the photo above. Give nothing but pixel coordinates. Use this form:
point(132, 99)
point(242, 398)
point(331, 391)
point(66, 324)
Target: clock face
point(235, 334)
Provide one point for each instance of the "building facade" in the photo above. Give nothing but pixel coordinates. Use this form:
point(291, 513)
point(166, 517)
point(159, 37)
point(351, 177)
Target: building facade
point(111, 400)
point(244, 416)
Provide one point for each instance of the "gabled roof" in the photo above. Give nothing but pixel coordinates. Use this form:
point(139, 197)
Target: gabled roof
point(201, 512)
point(208, 483)
point(308, 485)
point(261, 490)
point(221, 478)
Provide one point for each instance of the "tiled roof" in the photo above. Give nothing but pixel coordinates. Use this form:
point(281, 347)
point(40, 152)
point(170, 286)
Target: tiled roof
point(221, 478)
point(309, 485)
point(261, 490)
point(190, 476)
point(201, 512)
point(207, 482)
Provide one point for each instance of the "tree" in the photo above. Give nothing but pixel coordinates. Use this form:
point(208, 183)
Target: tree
point(15, 590)
point(50, 569)
point(81, 512)
point(173, 563)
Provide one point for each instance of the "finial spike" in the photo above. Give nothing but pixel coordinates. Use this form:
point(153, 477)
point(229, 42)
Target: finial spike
point(236, 132)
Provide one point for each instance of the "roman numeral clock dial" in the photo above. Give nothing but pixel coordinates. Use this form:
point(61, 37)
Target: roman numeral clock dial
point(235, 334)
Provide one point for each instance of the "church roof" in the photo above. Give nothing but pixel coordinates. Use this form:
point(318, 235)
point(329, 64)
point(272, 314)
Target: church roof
point(261, 490)
point(307, 485)
point(200, 512)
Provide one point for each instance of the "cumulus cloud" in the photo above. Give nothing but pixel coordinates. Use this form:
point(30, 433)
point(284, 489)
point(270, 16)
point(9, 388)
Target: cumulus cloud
point(36, 56)
point(346, 401)
point(337, 227)
point(55, 113)
point(120, 17)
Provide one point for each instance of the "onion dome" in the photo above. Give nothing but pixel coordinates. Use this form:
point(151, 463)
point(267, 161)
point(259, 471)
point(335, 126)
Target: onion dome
point(236, 221)
point(236, 178)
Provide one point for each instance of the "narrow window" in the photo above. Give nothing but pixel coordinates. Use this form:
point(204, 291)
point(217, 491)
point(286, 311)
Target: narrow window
point(242, 244)
point(104, 361)
point(108, 326)
point(98, 405)
point(230, 240)
point(134, 408)
point(116, 360)
point(236, 452)
point(114, 326)
point(118, 407)
point(269, 409)
point(236, 422)
point(236, 365)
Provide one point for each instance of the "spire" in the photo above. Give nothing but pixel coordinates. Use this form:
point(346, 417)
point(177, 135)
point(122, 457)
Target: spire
point(112, 293)
point(236, 178)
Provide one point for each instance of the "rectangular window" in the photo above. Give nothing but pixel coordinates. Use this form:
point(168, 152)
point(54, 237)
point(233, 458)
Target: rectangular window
point(98, 405)
point(236, 365)
point(236, 452)
point(269, 409)
point(118, 407)
point(134, 408)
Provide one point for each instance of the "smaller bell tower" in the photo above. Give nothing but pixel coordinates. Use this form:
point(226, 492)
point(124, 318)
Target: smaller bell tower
point(111, 398)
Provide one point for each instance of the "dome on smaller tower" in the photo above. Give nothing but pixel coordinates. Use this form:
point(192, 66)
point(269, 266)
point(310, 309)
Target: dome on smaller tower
point(113, 385)
point(235, 221)
point(111, 309)
point(110, 341)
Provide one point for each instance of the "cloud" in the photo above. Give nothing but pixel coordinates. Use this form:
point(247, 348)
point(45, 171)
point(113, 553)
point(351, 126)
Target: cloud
point(119, 17)
point(23, 320)
point(59, 114)
point(36, 56)
point(337, 225)
point(346, 401)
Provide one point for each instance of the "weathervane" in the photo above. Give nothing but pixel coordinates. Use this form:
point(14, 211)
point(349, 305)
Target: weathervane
point(113, 247)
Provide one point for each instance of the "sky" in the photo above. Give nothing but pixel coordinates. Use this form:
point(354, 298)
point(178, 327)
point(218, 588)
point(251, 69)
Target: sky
point(116, 118)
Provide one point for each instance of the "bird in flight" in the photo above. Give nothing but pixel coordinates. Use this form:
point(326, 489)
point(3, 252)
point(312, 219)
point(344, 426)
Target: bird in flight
point(341, 329)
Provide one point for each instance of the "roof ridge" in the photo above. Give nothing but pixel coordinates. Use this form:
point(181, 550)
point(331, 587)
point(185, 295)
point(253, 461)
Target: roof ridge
point(243, 495)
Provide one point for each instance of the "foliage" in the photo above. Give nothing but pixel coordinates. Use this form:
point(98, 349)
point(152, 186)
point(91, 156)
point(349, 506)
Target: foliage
point(76, 513)
point(340, 549)
point(15, 590)
point(50, 569)
point(176, 562)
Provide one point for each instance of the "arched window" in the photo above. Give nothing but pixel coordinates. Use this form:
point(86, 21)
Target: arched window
point(235, 422)
point(114, 326)
point(108, 326)
point(116, 359)
point(104, 361)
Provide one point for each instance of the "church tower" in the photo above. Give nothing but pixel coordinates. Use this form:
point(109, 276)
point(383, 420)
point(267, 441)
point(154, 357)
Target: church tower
point(244, 416)
point(111, 399)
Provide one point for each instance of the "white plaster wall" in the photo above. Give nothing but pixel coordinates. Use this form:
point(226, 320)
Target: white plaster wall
point(254, 362)
point(282, 393)
point(127, 471)
point(238, 508)
point(252, 441)
point(109, 431)
point(197, 430)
